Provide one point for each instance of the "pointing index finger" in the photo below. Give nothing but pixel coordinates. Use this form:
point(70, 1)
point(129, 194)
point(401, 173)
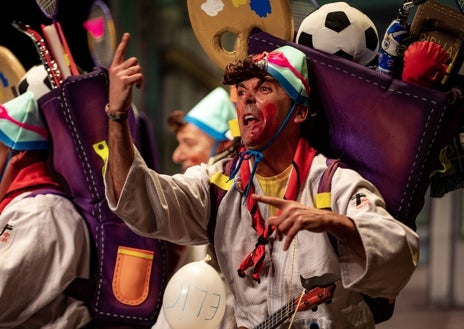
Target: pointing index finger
point(120, 51)
point(276, 202)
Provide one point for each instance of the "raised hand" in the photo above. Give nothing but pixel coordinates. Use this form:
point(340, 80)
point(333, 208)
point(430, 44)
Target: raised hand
point(123, 75)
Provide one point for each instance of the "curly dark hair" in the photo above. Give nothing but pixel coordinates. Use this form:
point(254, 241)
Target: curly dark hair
point(176, 120)
point(242, 70)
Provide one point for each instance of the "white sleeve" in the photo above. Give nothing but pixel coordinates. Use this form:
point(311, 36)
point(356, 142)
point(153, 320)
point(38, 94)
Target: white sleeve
point(391, 248)
point(173, 208)
point(45, 247)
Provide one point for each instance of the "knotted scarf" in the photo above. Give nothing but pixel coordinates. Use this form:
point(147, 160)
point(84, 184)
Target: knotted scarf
point(302, 161)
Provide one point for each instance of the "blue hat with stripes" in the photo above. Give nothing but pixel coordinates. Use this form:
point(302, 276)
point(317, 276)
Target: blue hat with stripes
point(289, 67)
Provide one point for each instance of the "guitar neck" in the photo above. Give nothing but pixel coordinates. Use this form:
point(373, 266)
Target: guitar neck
point(277, 317)
point(54, 74)
point(309, 300)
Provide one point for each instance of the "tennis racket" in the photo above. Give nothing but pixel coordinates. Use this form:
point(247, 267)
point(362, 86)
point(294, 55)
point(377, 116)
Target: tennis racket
point(11, 71)
point(101, 33)
point(56, 39)
point(301, 9)
point(460, 5)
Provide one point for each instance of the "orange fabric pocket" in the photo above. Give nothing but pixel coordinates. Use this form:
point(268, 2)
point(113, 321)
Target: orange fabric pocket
point(131, 280)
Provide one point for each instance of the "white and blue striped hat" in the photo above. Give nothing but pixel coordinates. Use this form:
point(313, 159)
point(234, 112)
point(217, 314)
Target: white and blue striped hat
point(21, 124)
point(289, 67)
point(213, 113)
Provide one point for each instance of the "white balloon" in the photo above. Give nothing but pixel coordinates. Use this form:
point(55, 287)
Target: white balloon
point(195, 297)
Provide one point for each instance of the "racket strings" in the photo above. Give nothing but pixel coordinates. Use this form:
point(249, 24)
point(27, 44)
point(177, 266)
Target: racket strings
point(48, 7)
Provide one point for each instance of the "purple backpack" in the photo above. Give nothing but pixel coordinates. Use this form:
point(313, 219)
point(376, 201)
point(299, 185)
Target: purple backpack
point(129, 272)
point(389, 131)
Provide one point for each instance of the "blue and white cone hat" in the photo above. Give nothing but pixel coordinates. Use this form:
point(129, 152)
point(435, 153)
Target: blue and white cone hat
point(213, 113)
point(21, 124)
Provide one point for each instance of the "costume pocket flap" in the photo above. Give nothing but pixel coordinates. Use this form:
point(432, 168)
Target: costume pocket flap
point(131, 281)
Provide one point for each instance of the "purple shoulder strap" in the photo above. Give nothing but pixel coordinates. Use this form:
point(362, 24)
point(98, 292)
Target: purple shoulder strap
point(216, 196)
point(326, 179)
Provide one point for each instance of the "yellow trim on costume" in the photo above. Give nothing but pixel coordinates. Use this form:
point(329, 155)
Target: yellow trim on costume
point(234, 129)
point(222, 181)
point(323, 200)
point(140, 253)
point(102, 150)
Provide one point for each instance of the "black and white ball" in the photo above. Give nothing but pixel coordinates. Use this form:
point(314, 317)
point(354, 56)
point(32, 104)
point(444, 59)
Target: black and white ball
point(35, 80)
point(342, 30)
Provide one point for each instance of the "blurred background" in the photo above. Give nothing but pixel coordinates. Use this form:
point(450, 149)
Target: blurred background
point(173, 60)
point(178, 73)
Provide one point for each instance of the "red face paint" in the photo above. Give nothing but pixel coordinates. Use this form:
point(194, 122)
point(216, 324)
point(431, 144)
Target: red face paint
point(261, 109)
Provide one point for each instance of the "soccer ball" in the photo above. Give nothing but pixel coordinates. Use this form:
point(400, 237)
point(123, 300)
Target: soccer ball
point(35, 80)
point(342, 30)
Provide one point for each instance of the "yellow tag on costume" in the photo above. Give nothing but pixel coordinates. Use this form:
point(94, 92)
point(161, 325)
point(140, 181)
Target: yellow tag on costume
point(222, 181)
point(234, 129)
point(323, 200)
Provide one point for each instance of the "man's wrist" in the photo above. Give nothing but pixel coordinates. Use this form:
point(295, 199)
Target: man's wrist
point(115, 115)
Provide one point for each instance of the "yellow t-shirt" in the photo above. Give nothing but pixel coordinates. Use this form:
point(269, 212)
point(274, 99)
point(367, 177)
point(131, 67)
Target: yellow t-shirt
point(275, 186)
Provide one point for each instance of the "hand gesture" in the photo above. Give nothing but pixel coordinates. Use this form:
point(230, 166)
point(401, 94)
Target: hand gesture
point(293, 217)
point(123, 74)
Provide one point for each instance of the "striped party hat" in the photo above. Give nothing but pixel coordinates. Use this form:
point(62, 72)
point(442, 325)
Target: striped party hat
point(213, 113)
point(289, 67)
point(21, 124)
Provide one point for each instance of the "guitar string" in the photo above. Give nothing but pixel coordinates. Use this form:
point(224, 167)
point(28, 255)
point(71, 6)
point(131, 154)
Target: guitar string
point(231, 321)
point(296, 308)
point(288, 309)
point(290, 284)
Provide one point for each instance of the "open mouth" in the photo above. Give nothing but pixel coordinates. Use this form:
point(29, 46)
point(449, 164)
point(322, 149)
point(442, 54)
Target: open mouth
point(248, 118)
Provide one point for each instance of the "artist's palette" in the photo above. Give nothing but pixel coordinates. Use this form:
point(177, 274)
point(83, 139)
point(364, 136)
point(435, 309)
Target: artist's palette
point(213, 19)
point(11, 71)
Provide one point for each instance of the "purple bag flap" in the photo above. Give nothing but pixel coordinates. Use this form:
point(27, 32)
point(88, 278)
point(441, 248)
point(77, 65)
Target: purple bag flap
point(390, 131)
point(79, 108)
point(77, 122)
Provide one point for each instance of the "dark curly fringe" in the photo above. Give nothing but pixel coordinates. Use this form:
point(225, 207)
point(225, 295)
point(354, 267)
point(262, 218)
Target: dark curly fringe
point(242, 70)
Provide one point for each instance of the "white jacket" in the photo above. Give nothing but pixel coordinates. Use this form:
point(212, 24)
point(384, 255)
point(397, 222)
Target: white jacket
point(177, 208)
point(44, 245)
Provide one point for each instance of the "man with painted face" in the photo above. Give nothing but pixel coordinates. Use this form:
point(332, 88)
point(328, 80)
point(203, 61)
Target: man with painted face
point(44, 242)
point(268, 232)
